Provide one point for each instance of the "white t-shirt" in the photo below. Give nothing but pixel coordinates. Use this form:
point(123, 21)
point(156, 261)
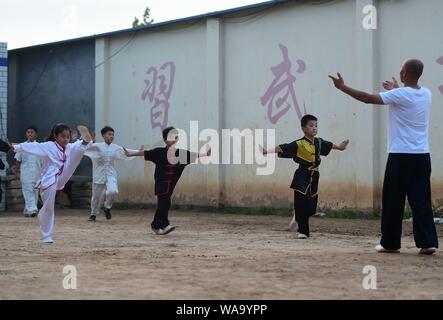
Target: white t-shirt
point(409, 110)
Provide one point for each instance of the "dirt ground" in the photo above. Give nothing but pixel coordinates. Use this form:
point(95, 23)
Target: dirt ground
point(209, 256)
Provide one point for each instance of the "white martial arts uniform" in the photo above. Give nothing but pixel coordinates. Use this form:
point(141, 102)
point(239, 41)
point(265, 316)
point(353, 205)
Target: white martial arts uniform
point(30, 167)
point(58, 165)
point(105, 186)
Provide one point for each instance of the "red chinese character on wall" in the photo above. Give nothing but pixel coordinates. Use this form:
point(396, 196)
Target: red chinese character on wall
point(280, 96)
point(158, 90)
point(440, 61)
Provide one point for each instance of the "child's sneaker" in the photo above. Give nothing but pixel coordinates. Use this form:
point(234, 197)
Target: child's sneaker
point(427, 251)
point(301, 236)
point(84, 131)
point(166, 230)
point(108, 213)
point(92, 217)
point(34, 214)
point(379, 248)
point(48, 240)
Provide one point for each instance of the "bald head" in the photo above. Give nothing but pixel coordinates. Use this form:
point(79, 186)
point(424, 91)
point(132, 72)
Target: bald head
point(413, 69)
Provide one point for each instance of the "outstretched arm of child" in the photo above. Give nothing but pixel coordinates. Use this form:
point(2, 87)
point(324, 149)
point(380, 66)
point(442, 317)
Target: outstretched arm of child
point(34, 148)
point(123, 152)
point(342, 146)
point(139, 153)
point(205, 154)
point(276, 149)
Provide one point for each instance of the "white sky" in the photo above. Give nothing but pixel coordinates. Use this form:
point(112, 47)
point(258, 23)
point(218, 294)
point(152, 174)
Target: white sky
point(29, 22)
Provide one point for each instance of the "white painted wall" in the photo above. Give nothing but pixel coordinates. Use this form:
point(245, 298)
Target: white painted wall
point(223, 68)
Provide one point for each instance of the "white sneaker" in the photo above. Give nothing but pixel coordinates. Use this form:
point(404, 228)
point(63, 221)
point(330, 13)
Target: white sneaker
point(301, 236)
point(165, 230)
point(48, 240)
point(427, 251)
point(379, 248)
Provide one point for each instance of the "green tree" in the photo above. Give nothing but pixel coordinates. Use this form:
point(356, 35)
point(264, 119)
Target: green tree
point(146, 19)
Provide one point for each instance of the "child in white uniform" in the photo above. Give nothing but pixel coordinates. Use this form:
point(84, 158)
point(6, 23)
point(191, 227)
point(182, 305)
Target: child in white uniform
point(59, 161)
point(103, 156)
point(28, 168)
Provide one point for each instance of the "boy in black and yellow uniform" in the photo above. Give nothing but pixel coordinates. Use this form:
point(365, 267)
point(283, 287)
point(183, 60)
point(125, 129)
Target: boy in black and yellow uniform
point(306, 152)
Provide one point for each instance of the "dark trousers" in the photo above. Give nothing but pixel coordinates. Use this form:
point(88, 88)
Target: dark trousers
point(68, 190)
point(305, 206)
point(408, 175)
point(161, 214)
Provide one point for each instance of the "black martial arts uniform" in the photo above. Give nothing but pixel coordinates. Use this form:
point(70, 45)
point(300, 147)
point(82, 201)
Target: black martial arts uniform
point(166, 177)
point(305, 181)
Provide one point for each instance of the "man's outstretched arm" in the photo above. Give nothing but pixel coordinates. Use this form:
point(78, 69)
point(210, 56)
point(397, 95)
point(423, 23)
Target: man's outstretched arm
point(362, 96)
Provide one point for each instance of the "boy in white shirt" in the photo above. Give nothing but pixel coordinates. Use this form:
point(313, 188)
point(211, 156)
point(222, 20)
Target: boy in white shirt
point(28, 167)
point(103, 156)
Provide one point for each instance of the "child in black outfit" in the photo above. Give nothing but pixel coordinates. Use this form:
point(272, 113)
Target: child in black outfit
point(169, 165)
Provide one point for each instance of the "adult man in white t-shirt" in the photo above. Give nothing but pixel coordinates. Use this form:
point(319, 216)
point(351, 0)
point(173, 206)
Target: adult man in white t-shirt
point(408, 170)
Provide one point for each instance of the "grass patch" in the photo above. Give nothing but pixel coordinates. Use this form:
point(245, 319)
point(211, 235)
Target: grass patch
point(261, 211)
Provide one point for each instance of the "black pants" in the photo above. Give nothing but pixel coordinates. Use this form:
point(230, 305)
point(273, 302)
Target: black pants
point(161, 214)
point(68, 190)
point(408, 175)
point(305, 206)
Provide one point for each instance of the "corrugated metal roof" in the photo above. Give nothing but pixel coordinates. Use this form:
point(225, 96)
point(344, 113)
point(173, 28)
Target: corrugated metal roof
point(215, 14)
